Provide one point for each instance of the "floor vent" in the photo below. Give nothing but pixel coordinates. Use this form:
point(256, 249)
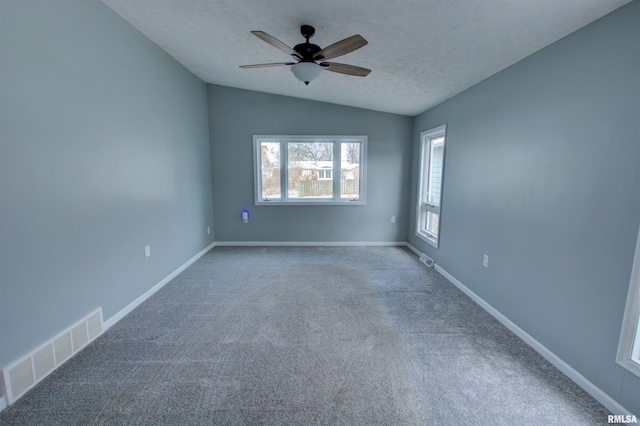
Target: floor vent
point(426, 260)
point(22, 375)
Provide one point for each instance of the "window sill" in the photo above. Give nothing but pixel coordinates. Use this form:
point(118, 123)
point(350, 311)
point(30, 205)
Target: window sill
point(630, 365)
point(428, 238)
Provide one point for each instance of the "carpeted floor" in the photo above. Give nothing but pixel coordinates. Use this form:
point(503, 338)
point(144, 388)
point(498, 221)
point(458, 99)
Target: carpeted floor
point(350, 335)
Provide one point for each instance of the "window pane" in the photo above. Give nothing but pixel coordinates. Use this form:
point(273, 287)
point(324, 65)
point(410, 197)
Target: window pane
point(432, 221)
point(436, 157)
point(350, 170)
point(270, 169)
point(310, 168)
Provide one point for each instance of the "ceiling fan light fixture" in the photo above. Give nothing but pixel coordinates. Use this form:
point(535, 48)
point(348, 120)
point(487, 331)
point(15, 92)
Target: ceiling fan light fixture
point(311, 58)
point(306, 71)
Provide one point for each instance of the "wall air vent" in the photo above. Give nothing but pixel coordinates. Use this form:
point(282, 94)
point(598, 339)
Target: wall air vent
point(31, 368)
point(426, 260)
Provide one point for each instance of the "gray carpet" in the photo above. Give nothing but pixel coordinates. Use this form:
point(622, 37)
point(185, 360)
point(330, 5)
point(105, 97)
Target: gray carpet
point(353, 335)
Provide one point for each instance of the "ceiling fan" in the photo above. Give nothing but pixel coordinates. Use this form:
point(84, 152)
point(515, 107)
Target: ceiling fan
point(311, 59)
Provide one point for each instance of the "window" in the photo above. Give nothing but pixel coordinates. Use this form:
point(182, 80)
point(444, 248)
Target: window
point(430, 184)
point(629, 347)
point(310, 169)
point(324, 174)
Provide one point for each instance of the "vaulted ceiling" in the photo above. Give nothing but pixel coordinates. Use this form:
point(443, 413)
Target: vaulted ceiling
point(422, 52)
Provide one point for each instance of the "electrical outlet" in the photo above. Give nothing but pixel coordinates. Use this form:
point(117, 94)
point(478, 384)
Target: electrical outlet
point(485, 261)
point(147, 251)
point(208, 230)
point(393, 219)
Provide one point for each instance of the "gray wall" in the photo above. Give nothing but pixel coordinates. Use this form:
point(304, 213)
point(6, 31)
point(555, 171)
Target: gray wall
point(104, 149)
point(543, 175)
point(236, 115)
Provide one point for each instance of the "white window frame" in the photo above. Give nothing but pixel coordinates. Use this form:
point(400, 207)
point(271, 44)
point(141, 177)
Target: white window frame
point(284, 141)
point(422, 205)
point(629, 346)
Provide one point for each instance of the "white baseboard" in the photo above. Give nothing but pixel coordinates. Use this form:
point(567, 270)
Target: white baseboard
point(3, 403)
point(309, 243)
point(131, 306)
point(413, 249)
point(609, 403)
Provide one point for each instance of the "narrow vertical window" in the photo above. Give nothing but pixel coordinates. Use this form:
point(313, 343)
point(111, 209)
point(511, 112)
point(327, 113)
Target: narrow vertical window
point(430, 184)
point(629, 346)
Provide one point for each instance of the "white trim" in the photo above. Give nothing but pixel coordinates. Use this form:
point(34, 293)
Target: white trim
point(131, 306)
point(612, 405)
point(3, 403)
point(413, 249)
point(310, 243)
point(629, 345)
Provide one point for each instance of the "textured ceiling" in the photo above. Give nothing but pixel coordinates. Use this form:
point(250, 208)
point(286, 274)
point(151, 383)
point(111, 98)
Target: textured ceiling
point(422, 52)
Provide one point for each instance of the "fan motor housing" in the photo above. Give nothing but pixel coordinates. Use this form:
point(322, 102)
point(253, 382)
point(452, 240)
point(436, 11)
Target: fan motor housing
point(307, 50)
